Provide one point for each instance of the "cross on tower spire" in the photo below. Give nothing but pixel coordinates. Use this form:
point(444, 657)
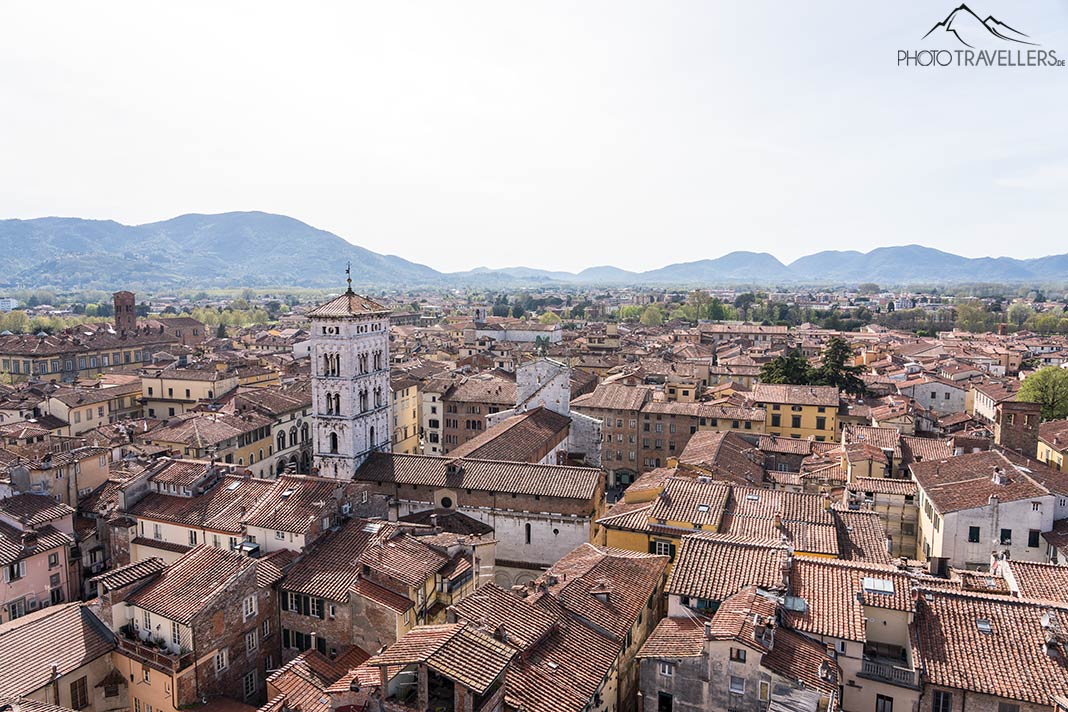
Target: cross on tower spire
point(348, 273)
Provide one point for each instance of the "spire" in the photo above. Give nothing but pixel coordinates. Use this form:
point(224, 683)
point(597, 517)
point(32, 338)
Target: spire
point(348, 273)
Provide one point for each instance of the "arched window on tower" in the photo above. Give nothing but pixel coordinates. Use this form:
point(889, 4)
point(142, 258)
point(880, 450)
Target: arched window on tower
point(333, 443)
point(329, 404)
point(326, 365)
point(526, 528)
point(378, 360)
point(372, 434)
point(281, 441)
point(363, 401)
point(293, 436)
point(303, 434)
point(378, 397)
point(337, 404)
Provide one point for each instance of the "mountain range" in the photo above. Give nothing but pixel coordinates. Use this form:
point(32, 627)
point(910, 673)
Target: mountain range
point(258, 249)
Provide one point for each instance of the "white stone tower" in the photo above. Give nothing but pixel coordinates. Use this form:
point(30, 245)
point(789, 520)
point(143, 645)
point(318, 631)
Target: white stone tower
point(351, 400)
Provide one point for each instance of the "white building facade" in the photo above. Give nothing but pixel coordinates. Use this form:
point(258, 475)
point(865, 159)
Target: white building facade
point(350, 383)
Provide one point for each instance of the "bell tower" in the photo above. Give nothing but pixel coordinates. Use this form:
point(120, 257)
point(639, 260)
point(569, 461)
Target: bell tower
point(351, 399)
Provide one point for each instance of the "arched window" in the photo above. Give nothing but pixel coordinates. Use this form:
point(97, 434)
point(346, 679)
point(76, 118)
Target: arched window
point(251, 459)
point(326, 364)
point(333, 443)
point(293, 436)
point(304, 433)
point(329, 404)
point(363, 401)
point(281, 441)
point(280, 468)
point(337, 404)
point(373, 437)
point(378, 397)
point(526, 528)
point(260, 456)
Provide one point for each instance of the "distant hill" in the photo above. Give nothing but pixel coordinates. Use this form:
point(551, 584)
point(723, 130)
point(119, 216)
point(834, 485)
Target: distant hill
point(230, 249)
point(262, 250)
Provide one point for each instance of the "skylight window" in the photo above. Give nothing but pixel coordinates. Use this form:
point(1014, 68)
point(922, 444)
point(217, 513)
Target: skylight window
point(878, 585)
point(753, 497)
point(983, 624)
point(702, 508)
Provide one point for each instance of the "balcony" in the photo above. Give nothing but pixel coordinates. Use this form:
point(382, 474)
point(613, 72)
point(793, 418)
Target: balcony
point(884, 670)
point(151, 654)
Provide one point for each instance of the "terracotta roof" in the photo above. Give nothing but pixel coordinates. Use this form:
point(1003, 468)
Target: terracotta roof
point(1055, 434)
point(1042, 581)
point(957, 635)
point(884, 485)
point(691, 501)
point(726, 455)
point(223, 508)
point(967, 481)
point(67, 636)
point(675, 638)
point(830, 590)
point(714, 567)
point(736, 615)
point(633, 516)
point(190, 584)
point(605, 586)
point(861, 536)
point(402, 557)
point(449, 521)
point(34, 510)
point(483, 475)
point(520, 624)
point(519, 438)
point(797, 657)
point(346, 305)
point(125, 575)
point(329, 569)
point(795, 395)
point(302, 682)
point(614, 396)
point(15, 545)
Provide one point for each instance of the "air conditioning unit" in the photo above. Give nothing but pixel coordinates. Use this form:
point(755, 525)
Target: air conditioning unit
point(31, 604)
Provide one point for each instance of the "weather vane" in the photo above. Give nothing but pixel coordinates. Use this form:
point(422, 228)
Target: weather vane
point(348, 274)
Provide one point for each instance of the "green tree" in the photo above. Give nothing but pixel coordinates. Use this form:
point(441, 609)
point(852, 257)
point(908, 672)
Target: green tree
point(792, 367)
point(973, 316)
point(549, 318)
point(1048, 386)
point(837, 368)
point(1019, 313)
point(652, 316)
point(220, 333)
point(518, 311)
point(743, 303)
point(868, 288)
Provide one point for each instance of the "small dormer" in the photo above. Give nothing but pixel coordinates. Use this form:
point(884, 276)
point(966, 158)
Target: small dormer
point(602, 591)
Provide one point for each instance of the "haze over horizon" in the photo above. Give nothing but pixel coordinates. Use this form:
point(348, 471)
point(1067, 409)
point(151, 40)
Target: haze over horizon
point(548, 136)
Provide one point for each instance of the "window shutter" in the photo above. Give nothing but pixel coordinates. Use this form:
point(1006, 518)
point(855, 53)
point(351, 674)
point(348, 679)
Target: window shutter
point(671, 553)
point(22, 568)
point(285, 637)
point(652, 546)
point(7, 575)
point(322, 609)
point(285, 600)
point(320, 645)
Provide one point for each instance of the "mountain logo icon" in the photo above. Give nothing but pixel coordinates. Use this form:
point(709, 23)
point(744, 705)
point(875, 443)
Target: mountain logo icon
point(967, 28)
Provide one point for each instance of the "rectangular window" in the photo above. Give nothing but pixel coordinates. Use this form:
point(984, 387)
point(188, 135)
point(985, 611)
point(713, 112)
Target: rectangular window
point(279, 535)
point(738, 655)
point(973, 535)
point(251, 641)
point(250, 685)
point(249, 607)
point(1006, 537)
point(79, 694)
point(53, 561)
point(1008, 707)
point(667, 669)
point(821, 423)
point(222, 660)
point(941, 701)
point(884, 703)
point(176, 634)
point(737, 685)
point(266, 627)
point(795, 421)
point(1032, 538)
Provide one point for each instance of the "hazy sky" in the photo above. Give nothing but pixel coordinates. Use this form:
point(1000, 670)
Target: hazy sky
point(552, 134)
